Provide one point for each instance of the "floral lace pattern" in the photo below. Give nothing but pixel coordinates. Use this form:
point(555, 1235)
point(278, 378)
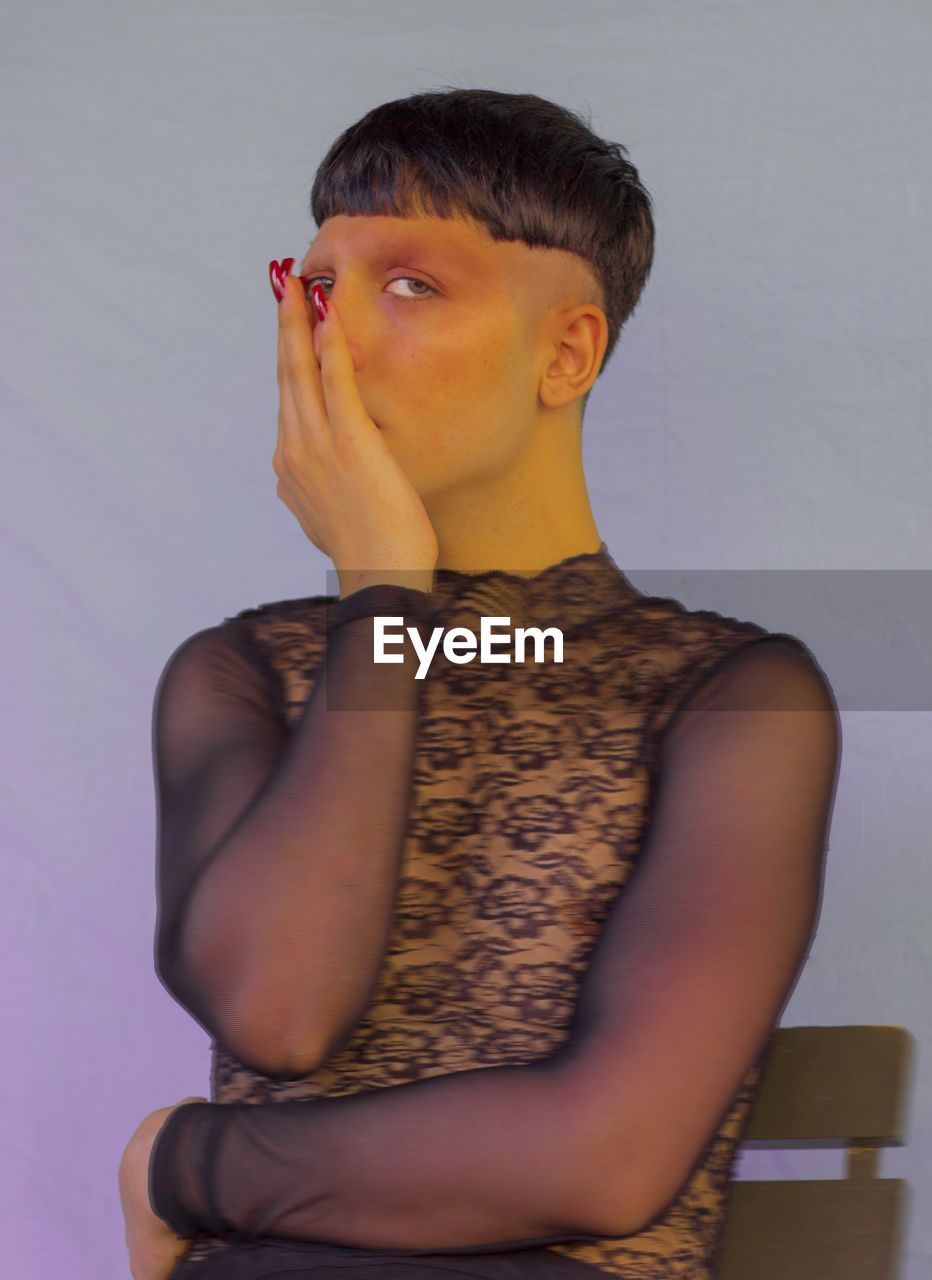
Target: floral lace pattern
point(529, 801)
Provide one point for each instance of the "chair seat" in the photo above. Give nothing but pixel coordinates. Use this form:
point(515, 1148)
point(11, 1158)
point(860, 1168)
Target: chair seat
point(812, 1229)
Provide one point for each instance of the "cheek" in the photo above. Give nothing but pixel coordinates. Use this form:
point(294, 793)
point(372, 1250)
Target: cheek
point(471, 372)
point(434, 387)
point(461, 400)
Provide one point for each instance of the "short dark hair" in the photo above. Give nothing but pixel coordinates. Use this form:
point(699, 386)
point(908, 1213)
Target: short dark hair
point(522, 166)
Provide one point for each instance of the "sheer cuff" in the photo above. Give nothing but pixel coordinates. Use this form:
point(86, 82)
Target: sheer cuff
point(182, 1165)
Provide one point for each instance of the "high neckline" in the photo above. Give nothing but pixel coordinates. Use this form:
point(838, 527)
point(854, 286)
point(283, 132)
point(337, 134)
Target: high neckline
point(468, 575)
point(566, 593)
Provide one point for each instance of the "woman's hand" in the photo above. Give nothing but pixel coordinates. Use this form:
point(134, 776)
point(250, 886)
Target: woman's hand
point(335, 470)
point(154, 1249)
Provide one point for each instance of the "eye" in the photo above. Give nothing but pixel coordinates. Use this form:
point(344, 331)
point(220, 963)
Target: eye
point(411, 297)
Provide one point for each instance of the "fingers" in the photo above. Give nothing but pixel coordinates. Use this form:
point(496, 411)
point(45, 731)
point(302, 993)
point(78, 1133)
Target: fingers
point(342, 401)
point(320, 404)
point(300, 372)
point(289, 427)
point(296, 431)
point(283, 408)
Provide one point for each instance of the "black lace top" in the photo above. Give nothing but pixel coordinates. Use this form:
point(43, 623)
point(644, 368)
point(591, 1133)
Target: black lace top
point(489, 959)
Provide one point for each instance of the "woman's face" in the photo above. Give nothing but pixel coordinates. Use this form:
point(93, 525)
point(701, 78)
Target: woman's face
point(450, 333)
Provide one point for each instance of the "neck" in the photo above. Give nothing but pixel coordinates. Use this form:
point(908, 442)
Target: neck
point(522, 520)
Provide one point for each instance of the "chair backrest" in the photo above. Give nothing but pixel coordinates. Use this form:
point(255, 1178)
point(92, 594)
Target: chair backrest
point(824, 1087)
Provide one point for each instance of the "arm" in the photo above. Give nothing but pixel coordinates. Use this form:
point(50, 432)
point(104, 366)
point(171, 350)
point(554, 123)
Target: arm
point(694, 969)
point(476, 1158)
point(686, 983)
point(276, 888)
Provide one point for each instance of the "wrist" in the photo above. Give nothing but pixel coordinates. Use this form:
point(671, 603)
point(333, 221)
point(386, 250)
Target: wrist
point(419, 579)
point(141, 1148)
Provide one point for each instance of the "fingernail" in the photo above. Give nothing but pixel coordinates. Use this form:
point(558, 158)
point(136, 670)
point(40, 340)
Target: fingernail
point(285, 270)
point(275, 280)
point(320, 302)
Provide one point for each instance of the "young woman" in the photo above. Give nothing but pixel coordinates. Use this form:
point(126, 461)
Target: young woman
point(490, 957)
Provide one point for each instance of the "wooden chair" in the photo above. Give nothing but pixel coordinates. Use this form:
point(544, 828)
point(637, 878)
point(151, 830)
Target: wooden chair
point(824, 1087)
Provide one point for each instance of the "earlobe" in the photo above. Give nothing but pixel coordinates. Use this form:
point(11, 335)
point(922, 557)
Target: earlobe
point(564, 387)
point(580, 351)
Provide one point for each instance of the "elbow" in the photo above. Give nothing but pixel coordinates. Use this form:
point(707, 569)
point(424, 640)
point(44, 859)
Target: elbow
point(609, 1211)
point(610, 1200)
point(605, 1195)
point(270, 1041)
point(246, 1033)
point(317, 1048)
point(267, 1051)
point(293, 1058)
point(260, 1027)
point(255, 1032)
point(626, 1201)
point(295, 1064)
point(267, 1056)
point(289, 1068)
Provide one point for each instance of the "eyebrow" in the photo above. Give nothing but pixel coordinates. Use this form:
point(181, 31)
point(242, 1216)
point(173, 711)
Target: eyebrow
point(451, 259)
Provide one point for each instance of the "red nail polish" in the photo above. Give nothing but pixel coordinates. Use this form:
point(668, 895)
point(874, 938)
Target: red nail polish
point(320, 302)
point(275, 280)
point(285, 270)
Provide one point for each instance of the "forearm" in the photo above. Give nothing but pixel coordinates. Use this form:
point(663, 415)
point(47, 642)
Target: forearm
point(491, 1157)
point(285, 930)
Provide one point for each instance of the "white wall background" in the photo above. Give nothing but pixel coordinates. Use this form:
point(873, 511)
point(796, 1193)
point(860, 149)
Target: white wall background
point(768, 408)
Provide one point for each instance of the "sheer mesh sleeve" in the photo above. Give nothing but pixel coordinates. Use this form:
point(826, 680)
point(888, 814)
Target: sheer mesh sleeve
point(685, 984)
point(275, 884)
point(696, 963)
